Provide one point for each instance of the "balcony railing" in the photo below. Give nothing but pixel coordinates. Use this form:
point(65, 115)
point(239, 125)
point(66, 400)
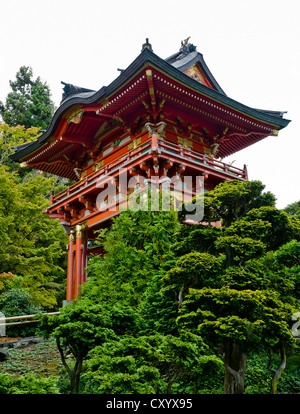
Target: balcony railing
point(118, 159)
point(199, 158)
point(121, 157)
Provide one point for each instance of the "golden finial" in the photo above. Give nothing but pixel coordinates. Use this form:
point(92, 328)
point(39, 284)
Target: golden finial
point(185, 42)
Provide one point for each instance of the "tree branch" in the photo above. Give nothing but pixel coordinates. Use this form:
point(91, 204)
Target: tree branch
point(63, 359)
point(230, 370)
point(277, 372)
point(180, 297)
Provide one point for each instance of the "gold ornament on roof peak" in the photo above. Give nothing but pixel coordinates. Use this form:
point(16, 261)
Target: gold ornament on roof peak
point(185, 42)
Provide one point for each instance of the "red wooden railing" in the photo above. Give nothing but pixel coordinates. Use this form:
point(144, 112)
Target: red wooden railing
point(190, 154)
point(112, 161)
point(121, 156)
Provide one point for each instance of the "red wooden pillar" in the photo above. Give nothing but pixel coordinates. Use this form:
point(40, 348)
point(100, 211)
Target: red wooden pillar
point(154, 143)
point(84, 260)
point(70, 274)
point(78, 259)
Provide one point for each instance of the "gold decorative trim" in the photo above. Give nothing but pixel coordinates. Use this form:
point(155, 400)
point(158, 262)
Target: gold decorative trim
point(186, 143)
point(134, 143)
point(195, 73)
point(83, 174)
point(75, 115)
point(71, 236)
point(98, 165)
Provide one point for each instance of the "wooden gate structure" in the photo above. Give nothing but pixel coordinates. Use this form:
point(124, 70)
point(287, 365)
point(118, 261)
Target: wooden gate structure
point(158, 118)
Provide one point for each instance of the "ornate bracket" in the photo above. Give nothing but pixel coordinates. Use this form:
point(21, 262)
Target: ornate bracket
point(75, 117)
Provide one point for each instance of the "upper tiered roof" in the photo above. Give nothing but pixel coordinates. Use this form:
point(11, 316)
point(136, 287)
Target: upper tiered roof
point(189, 61)
point(180, 86)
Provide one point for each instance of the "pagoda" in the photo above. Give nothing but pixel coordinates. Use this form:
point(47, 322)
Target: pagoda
point(158, 118)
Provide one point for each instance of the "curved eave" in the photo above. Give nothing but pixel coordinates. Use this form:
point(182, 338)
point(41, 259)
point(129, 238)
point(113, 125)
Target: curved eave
point(147, 57)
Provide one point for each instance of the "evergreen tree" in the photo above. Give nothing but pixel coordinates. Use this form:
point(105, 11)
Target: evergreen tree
point(183, 307)
point(135, 247)
point(293, 209)
point(29, 103)
point(249, 302)
point(12, 136)
point(32, 245)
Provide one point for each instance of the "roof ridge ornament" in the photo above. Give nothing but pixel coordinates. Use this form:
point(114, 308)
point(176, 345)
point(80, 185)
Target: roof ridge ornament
point(147, 45)
point(185, 42)
point(186, 48)
point(69, 89)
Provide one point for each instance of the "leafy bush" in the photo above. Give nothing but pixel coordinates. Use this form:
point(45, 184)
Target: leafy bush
point(151, 364)
point(15, 302)
point(28, 384)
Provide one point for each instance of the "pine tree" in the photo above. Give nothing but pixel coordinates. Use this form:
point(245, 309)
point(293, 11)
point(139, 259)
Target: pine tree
point(29, 103)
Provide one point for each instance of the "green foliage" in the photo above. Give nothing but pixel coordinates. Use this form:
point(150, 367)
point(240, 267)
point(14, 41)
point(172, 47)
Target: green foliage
point(136, 246)
point(239, 249)
point(28, 384)
point(255, 292)
point(148, 364)
point(166, 301)
point(31, 243)
point(41, 359)
point(194, 269)
point(293, 209)
point(197, 238)
point(281, 230)
point(9, 281)
point(230, 201)
point(257, 378)
point(249, 228)
point(120, 367)
point(18, 301)
point(80, 327)
point(243, 320)
point(29, 103)
point(289, 254)
point(225, 285)
point(11, 136)
point(159, 308)
point(250, 277)
point(287, 258)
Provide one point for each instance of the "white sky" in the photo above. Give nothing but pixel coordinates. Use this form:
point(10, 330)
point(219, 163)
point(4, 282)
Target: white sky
point(252, 47)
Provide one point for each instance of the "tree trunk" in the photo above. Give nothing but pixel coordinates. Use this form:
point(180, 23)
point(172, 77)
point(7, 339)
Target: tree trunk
point(229, 256)
point(74, 374)
point(235, 368)
point(277, 372)
point(170, 382)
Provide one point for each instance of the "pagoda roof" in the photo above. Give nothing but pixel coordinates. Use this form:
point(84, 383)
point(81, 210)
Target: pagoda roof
point(176, 69)
point(187, 57)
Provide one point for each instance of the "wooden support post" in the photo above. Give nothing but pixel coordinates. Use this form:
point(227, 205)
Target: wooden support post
point(78, 260)
point(245, 172)
point(84, 260)
point(154, 143)
point(70, 275)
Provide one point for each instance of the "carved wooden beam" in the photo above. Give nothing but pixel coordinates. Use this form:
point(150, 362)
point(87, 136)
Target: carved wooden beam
point(151, 92)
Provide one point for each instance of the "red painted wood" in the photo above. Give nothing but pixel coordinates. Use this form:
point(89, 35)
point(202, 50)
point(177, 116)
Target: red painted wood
point(70, 274)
